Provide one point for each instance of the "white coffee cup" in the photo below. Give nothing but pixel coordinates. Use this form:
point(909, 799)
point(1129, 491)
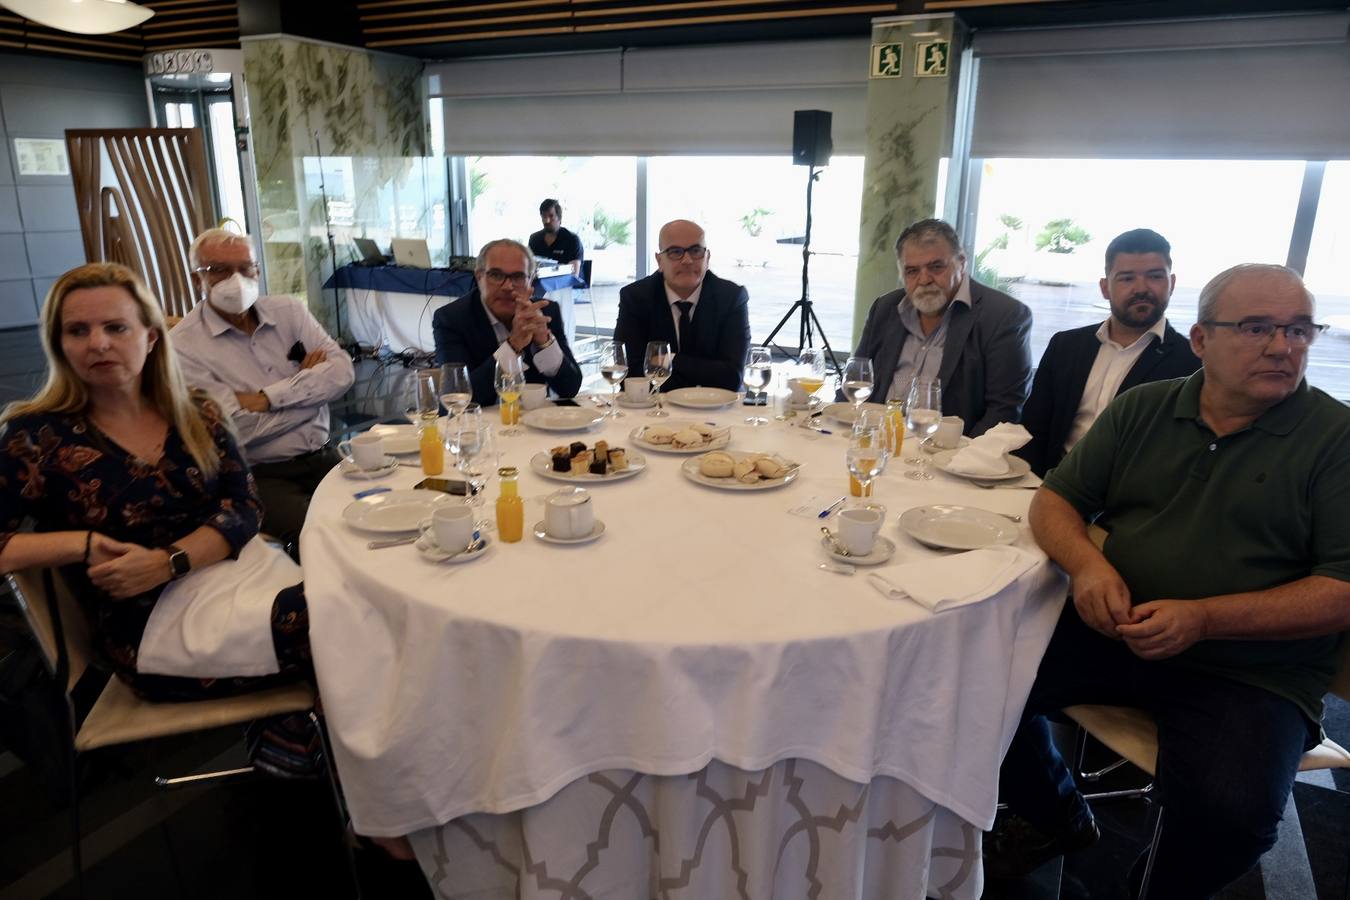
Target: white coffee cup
point(365, 450)
point(948, 434)
point(858, 529)
point(569, 514)
point(637, 390)
point(452, 526)
point(797, 395)
point(533, 396)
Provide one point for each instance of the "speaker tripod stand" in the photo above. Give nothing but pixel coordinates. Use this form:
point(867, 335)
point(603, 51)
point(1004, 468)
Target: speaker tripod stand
point(808, 322)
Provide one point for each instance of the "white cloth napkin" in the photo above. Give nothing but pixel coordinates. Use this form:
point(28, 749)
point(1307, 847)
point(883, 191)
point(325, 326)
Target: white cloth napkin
point(217, 621)
point(952, 581)
point(987, 454)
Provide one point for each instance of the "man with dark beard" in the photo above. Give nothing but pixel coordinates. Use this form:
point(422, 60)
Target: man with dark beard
point(1084, 369)
point(554, 242)
point(943, 325)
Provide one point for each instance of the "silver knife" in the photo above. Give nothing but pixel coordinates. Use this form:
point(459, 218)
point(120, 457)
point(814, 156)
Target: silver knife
point(394, 542)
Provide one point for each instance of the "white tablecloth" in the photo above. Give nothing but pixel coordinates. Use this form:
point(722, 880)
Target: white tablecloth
point(698, 628)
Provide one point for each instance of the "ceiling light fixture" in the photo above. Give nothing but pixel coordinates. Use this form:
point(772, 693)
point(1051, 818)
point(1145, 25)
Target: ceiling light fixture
point(81, 16)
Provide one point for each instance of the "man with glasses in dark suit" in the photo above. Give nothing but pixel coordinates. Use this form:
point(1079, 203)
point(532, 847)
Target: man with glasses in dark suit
point(499, 322)
point(705, 319)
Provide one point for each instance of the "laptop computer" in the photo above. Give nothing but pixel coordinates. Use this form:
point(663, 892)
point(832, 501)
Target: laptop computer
point(370, 252)
point(411, 252)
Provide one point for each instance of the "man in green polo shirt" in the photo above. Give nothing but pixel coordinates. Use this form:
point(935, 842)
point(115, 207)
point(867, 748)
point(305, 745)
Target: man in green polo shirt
point(1218, 600)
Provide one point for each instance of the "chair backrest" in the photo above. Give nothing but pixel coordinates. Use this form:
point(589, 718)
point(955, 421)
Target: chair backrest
point(586, 272)
point(31, 595)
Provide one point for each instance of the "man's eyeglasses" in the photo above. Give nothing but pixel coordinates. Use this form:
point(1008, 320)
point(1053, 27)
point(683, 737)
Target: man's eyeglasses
point(495, 277)
point(220, 271)
point(1256, 331)
point(695, 251)
point(937, 268)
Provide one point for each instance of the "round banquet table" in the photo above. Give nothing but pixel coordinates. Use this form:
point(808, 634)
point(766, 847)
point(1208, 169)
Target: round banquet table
point(689, 693)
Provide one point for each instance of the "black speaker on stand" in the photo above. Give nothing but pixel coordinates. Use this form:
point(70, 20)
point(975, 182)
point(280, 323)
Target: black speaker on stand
point(811, 147)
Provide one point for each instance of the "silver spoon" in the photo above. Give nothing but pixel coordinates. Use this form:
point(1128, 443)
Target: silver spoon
point(834, 542)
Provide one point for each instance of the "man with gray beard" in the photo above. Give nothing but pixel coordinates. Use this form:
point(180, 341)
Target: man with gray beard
point(943, 325)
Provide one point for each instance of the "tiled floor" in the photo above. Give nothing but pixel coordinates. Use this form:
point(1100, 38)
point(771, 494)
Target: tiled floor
point(267, 839)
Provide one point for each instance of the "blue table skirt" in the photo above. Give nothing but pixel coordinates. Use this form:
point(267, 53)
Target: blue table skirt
point(427, 282)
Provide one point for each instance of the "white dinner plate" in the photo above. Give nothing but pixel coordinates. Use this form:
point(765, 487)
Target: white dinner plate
point(690, 470)
point(401, 439)
point(547, 538)
point(392, 512)
point(434, 552)
point(562, 418)
point(1017, 467)
point(957, 527)
point(846, 414)
point(542, 465)
point(717, 443)
point(702, 397)
point(349, 468)
point(882, 550)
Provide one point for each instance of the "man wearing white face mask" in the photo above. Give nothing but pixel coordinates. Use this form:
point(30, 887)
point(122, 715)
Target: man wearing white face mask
point(272, 368)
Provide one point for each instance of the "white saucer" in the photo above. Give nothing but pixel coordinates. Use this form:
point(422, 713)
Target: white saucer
point(927, 445)
point(882, 551)
point(349, 468)
point(547, 538)
point(427, 546)
point(627, 403)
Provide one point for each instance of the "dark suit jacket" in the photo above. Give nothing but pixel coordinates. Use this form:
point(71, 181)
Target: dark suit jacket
point(986, 357)
point(464, 335)
point(1063, 373)
point(712, 355)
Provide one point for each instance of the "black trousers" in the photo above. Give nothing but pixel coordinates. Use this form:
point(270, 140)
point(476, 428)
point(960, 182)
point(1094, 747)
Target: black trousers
point(286, 487)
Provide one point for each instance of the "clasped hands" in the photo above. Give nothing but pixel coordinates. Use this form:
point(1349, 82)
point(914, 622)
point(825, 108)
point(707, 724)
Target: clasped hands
point(529, 324)
point(124, 570)
point(1154, 630)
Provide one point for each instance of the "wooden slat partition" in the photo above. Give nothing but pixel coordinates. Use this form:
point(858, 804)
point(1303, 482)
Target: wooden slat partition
point(161, 201)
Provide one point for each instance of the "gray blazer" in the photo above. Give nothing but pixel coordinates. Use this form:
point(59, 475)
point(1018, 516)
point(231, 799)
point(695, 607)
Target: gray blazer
point(986, 358)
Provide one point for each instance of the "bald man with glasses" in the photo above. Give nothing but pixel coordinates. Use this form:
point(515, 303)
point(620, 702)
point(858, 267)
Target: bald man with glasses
point(499, 322)
point(705, 319)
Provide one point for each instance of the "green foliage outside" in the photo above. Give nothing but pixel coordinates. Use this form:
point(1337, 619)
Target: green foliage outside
point(753, 222)
point(985, 272)
point(610, 229)
point(1061, 236)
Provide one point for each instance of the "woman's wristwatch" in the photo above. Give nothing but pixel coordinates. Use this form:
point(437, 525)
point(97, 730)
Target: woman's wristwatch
point(179, 563)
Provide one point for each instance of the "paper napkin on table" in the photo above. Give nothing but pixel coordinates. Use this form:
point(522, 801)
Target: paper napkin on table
point(952, 581)
point(986, 455)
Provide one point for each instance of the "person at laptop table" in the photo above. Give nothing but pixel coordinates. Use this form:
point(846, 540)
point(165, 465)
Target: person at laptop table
point(271, 367)
point(498, 321)
point(554, 242)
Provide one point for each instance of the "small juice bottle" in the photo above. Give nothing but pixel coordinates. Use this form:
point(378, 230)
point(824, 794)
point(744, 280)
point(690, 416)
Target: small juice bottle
point(432, 450)
point(510, 507)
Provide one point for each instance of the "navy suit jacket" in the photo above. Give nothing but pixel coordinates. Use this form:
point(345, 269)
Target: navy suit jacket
point(464, 335)
point(711, 355)
point(986, 357)
point(1063, 373)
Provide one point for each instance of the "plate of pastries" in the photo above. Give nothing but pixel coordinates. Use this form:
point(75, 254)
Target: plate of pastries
point(581, 462)
point(680, 437)
point(733, 471)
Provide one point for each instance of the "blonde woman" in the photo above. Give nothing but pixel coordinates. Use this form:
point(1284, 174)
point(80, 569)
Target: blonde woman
point(138, 491)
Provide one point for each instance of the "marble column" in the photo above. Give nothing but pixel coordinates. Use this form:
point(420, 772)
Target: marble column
point(911, 102)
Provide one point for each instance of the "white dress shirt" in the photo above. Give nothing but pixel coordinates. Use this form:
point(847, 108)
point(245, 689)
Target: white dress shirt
point(674, 298)
point(548, 359)
point(1109, 369)
point(222, 360)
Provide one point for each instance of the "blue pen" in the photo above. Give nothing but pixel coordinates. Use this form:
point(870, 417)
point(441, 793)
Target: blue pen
point(369, 491)
point(825, 513)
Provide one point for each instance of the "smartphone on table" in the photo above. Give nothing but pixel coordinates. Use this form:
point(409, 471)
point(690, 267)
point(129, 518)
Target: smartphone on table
point(445, 485)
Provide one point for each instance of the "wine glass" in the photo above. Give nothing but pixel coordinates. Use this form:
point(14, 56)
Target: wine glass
point(474, 447)
point(923, 414)
point(758, 370)
point(857, 386)
point(510, 379)
point(866, 456)
point(456, 389)
point(811, 373)
point(420, 404)
point(614, 368)
point(658, 365)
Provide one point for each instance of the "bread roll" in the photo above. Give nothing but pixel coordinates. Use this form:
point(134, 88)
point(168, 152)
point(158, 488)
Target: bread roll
point(770, 467)
point(744, 470)
point(687, 438)
point(658, 434)
point(716, 464)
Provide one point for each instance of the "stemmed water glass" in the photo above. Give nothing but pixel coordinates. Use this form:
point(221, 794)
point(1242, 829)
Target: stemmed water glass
point(923, 415)
point(456, 389)
point(510, 380)
point(811, 373)
point(858, 380)
point(474, 451)
point(658, 366)
point(867, 455)
point(614, 368)
point(419, 397)
point(758, 371)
